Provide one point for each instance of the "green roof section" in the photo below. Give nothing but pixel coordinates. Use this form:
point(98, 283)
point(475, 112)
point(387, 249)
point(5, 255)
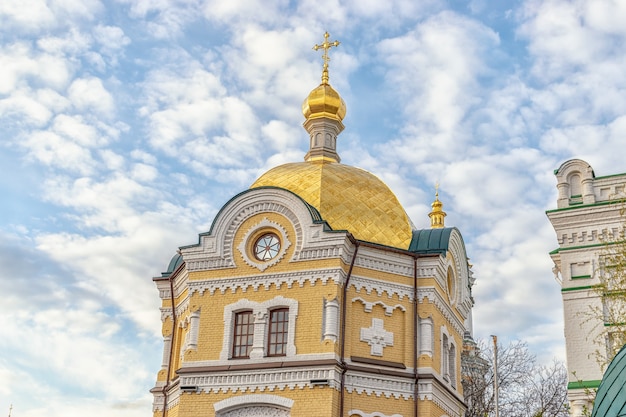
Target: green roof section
point(173, 265)
point(610, 399)
point(584, 384)
point(431, 241)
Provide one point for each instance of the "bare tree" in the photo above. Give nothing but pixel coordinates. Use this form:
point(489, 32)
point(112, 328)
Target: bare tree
point(526, 389)
point(609, 316)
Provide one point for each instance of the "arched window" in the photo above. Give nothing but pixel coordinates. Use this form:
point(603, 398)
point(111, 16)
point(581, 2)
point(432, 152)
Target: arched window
point(278, 332)
point(452, 365)
point(243, 334)
point(445, 367)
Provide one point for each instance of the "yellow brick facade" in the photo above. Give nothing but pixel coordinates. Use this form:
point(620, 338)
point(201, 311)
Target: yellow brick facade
point(353, 306)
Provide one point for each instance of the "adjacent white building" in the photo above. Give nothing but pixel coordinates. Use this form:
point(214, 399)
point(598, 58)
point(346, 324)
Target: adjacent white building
point(587, 215)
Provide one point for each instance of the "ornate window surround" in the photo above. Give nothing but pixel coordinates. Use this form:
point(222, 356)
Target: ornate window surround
point(263, 227)
point(260, 312)
point(448, 357)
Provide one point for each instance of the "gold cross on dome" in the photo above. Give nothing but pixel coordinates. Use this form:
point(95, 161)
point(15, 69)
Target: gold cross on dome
point(325, 46)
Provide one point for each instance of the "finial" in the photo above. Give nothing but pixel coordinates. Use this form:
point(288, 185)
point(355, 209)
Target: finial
point(437, 215)
point(326, 46)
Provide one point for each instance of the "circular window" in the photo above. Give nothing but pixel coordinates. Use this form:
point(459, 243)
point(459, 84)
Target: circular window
point(267, 247)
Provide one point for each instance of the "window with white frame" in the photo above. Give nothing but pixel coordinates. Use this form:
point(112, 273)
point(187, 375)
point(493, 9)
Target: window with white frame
point(255, 330)
point(278, 332)
point(243, 334)
point(448, 358)
point(445, 357)
point(452, 364)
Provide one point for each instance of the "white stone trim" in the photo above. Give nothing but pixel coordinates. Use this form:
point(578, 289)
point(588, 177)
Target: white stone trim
point(369, 305)
point(449, 357)
point(272, 379)
point(191, 339)
point(385, 261)
point(180, 309)
point(167, 346)
point(435, 298)
point(385, 385)
point(381, 287)
point(450, 402)
point(266, 281)
point(331, 320)
point(376, 337)
point(268, 359)
point(260, 312)
point(427, 333)
point(253, 399)
point(462, 274)
point(284, 244)
point(215, 250)
point(374, 414)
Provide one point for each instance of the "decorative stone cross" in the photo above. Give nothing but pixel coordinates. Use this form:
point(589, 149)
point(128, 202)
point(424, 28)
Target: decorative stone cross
point(377, 337)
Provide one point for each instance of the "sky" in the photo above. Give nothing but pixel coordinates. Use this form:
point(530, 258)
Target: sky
point(125, 125)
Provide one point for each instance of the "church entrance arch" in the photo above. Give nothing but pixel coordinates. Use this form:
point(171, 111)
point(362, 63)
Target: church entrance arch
point(255, 405)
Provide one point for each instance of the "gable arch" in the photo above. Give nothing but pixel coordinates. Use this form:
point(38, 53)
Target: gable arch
point(216, 248)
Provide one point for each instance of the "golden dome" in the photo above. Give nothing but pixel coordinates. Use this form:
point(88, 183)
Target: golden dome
point(324, 101)
point(437, 215)
point(348, 198)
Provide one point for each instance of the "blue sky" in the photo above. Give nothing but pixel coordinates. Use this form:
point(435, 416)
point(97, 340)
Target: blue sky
point(126, 124)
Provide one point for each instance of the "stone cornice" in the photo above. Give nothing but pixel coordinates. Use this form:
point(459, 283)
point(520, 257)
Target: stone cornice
point(378, 385)
point(263, 380)
point(254, 282)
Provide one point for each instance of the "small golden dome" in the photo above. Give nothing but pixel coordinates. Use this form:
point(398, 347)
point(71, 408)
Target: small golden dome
point(348, 198)
point(324, 101)
point(437, 215)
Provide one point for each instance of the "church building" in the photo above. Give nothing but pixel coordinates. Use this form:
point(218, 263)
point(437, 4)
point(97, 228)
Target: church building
point(312, 294)
point(587, 218)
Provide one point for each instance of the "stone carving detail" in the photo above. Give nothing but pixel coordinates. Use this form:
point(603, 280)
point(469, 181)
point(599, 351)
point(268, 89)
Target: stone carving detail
point(374, 414)
point(386, 386)
point(266, 281)
point(271, 380)
point(256, 411)
point(381, 287)
point(368, 306)
point(377, 337)
point(285, 244)
point(385, 265)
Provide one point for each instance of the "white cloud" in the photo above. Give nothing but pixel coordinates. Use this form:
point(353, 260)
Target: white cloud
point(35, 16)
point(54, 151)
point(19, 64)
point(111, 37)
point(74, 128)
point(70, 43)
point(164, 19)
point(89, 94)
point(434, 71)
point(252, 11)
